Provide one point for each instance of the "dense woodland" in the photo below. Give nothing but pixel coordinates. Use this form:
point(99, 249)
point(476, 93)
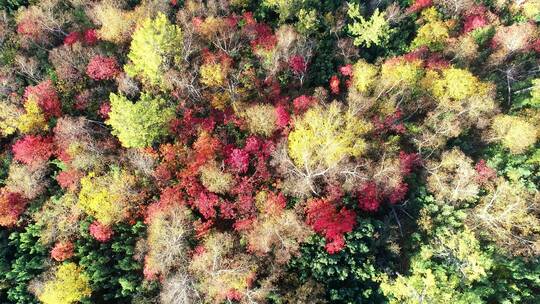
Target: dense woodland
point(274, 151)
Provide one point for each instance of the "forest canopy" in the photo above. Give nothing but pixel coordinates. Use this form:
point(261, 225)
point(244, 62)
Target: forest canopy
point(274, 151)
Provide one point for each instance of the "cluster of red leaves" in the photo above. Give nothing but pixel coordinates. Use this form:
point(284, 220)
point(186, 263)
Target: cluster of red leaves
point(408, 161)
point(302, 103)
point(391, 123)
point(476, 18)
point(102, 68)
point(264, 38)
point(298, 64)
point(100, 232)
point(33, 149)
point(88, 37)
point(12, 205)
point(369, 198)
point(419, 5)
point(282, 116)
point(69, 179)
point(62, 251)
point(484, 173)
point(334, 84)
point(46, 97)
point(29, 28)
point(323, 216)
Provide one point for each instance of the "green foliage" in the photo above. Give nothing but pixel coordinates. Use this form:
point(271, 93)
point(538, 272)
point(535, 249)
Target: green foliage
point(26, 258)
point(375, 31)
point(114, 273)
point(155, 46)
point(139, 124)
point(350, 275)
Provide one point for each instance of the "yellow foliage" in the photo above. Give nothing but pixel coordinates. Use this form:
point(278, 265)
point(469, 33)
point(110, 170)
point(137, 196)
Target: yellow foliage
point(452, 180)
point(169, 232)
point(399, 72)
point(9, 116)
point(261, 119)
point(514, 132)
point(433, 33)
point(507, 215)
point(33, 120)
point(215, 179)
point(221, 268)
point(363, 75)
point(107, 197)
point(324, 136)
point(70, 285)
point(455, 84)
point(212, 75)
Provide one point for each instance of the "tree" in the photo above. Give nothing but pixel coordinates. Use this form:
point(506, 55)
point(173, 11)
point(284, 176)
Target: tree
point(444, 270)
point(69, 285)
point(47, 98)
point(375, 31)
point(323, 216)
point(506, 215)
point(261, 119)
point(102, 68)
point(433, 33)
point(514, 132)
point(33, 120)
point(108, 197)
point(155, 47)
point(453, 179)
point(12, 205)
point(170, 230)
point(364, 76)
point(139, 124)
point(325, 136)
point(33, 150)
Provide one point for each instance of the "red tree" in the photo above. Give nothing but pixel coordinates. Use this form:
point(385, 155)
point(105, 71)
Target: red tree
point(324, 217)
point(11, 207)
point(33, 149)
point(102, 68)
point(46, 97)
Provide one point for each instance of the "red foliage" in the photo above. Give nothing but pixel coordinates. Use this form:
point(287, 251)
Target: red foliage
point(304, 102)
point(12, 205)
point(484, 172)
point(535, 46)
point(202, 228)
point(324, 218)
point(100, 232)
point(390, 123)
point(334, 84)
point(238, 160)
point(206, 203)
point(298, 64)
point(90, 37)
point(346, 70)
point(69, 179)
point(72, 38)
point(33, 149)
point(419, 5)
point(62, 251)
point(474, 21)
point(104, 110)
point(398, 193)
point(233, 295)
point(102, 68)
point(408, 161)
point(369, 198)
point(29, 28)
point(283, 116)
point(46, 97)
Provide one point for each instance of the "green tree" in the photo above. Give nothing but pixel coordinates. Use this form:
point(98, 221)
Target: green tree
point(375, 31)
point(156, 46)
point(139, 124)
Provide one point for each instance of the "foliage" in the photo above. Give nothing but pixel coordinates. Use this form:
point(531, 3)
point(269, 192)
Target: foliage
point(323, 137)
point(375, 31)
point(108, 197)
point(70, 285)
point(139, 124)
point(155, 45)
